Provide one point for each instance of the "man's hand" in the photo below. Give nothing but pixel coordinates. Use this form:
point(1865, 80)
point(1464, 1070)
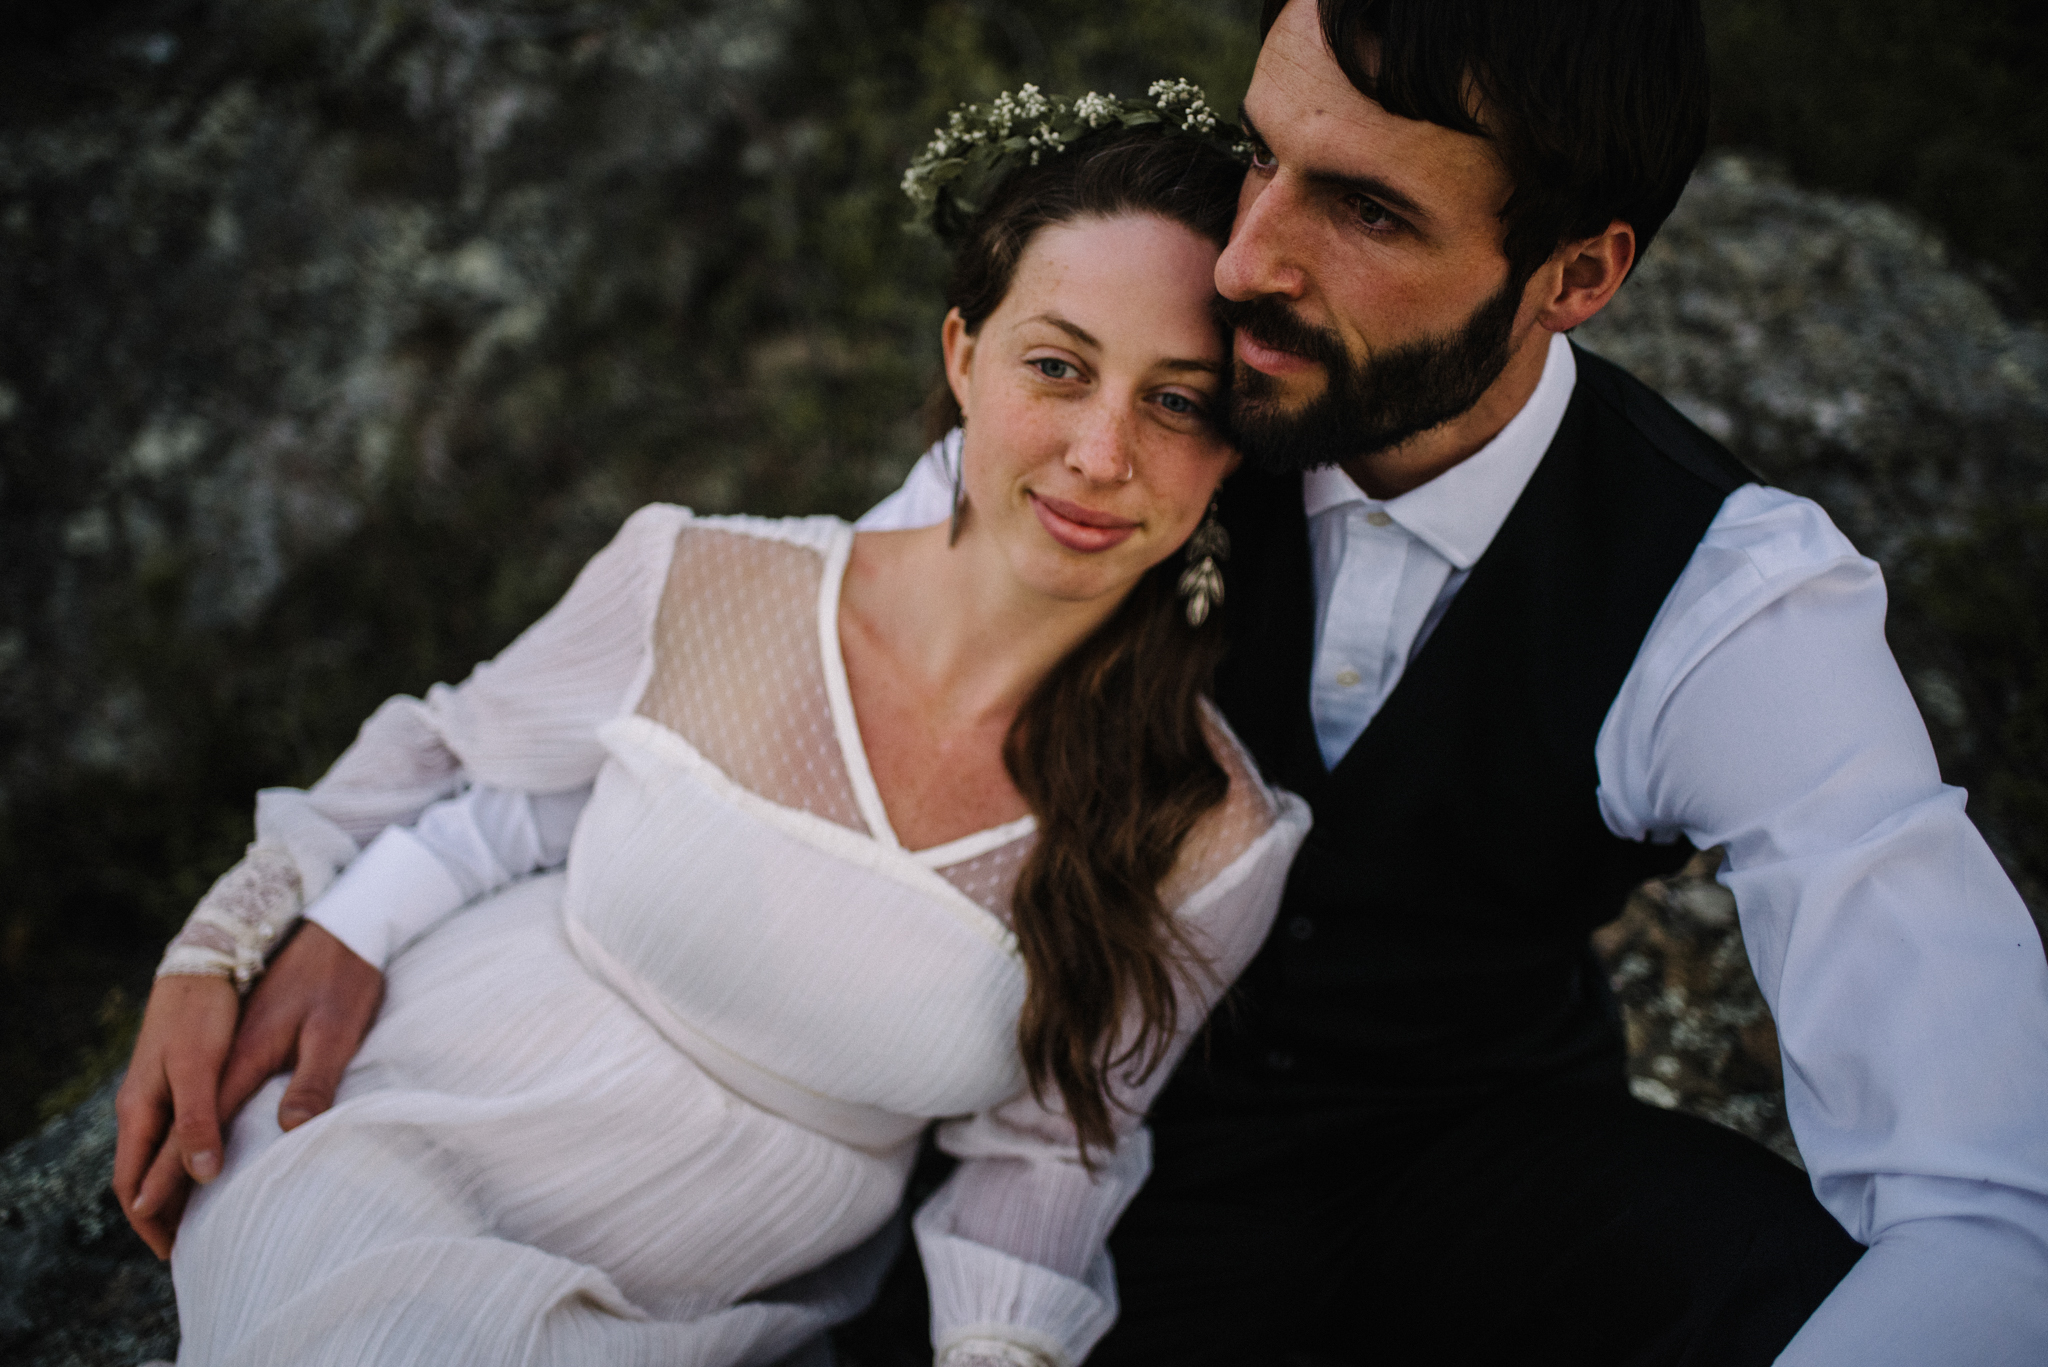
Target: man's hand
point(309, 1014)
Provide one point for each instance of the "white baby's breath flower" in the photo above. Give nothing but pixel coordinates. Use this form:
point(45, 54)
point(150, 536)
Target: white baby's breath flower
point(979, 141)
point(1095, 110)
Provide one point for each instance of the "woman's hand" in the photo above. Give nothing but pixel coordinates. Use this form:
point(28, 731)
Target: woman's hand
point(167, 1105)
point(193, 1069)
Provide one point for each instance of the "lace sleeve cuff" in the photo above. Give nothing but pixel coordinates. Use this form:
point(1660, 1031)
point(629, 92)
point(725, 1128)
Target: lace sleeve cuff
point(979, 1352)
point(240, 920)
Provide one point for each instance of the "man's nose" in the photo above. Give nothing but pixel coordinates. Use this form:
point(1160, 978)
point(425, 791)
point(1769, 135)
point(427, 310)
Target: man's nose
point(1260, 257)
point(1103, 451)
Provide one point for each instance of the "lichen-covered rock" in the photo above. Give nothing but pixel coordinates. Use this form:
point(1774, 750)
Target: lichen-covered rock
point(1700, 1038)
point(77, 1288)
point(1837, 346)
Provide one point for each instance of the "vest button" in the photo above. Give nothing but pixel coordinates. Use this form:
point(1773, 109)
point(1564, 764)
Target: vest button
point(1280, 1060)
point(1347, 678)
point(1301, 927)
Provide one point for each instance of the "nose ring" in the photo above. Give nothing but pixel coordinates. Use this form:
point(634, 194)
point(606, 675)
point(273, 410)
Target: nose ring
point(1130, 472)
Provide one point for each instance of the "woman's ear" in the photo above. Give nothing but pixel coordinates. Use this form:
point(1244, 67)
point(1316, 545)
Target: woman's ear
point(958, 345)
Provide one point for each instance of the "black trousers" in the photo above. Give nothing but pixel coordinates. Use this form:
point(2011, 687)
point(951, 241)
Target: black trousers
point(1566, 1225)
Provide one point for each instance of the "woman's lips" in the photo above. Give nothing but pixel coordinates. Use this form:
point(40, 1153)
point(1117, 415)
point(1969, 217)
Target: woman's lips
point(1078, 528)
point(1271, 360)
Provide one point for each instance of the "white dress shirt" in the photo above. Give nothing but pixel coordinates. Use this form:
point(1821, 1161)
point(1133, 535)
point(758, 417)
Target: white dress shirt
point(1764, 713)
point(1393, 567)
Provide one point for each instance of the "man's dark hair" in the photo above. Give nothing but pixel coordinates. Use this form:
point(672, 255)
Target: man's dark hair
point(1598, 108)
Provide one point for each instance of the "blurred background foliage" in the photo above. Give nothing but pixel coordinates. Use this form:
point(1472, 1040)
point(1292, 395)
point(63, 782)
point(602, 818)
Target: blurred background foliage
point(335, 334)
point(1937, 107)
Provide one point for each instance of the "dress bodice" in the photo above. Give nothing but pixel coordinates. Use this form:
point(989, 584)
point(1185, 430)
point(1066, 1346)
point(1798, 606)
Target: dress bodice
point(736, 875)
point(831, 977)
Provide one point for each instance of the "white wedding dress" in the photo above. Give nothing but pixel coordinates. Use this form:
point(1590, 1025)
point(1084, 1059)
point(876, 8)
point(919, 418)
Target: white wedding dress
point(659, 1106)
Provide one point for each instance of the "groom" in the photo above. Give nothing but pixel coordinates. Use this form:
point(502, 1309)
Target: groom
point(1523, 637)
point(1518, 632)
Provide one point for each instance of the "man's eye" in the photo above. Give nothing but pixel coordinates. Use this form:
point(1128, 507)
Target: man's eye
point(1054, 368)
point(1262, 156)
point(1372, 214)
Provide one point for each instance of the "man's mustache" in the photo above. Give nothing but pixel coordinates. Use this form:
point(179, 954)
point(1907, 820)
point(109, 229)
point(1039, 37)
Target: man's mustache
point(1271, 323)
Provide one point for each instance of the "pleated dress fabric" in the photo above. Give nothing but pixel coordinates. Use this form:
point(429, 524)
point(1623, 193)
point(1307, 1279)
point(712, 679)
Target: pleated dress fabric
point(659, 1106)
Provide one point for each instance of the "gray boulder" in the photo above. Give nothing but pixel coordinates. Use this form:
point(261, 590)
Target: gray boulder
point(77, 1288)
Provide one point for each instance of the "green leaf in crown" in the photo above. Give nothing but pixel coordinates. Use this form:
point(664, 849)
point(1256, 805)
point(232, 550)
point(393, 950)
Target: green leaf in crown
point(981, 144)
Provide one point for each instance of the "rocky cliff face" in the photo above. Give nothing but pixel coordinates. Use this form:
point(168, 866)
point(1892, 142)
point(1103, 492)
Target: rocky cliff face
point(1835, 346)
point(77, 1288)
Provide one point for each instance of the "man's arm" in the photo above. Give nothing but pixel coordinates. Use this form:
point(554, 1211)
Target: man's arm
point(1766, 715)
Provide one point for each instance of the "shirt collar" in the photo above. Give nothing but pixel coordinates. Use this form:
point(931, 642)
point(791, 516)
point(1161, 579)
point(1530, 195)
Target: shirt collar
point(1458, 513)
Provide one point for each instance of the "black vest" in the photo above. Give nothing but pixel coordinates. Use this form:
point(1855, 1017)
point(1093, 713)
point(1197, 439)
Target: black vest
point(1432, 944)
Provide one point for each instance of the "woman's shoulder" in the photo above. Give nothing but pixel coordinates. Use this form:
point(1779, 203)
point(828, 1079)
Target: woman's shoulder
point(820, 533)
point(711, 558)
point(662, 541)
point(1251, 813)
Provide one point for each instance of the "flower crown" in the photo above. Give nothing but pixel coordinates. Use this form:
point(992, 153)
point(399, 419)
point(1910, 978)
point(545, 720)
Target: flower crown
point(982, 144)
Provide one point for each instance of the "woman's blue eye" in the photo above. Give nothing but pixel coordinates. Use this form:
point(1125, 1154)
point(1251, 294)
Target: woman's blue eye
point(1055, 369)
point(1179, 403)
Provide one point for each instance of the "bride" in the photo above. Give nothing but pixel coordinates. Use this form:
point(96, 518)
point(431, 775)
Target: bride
point(777, 843)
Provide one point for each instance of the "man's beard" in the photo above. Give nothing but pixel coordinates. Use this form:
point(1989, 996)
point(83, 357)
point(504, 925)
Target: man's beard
point(1364, 407)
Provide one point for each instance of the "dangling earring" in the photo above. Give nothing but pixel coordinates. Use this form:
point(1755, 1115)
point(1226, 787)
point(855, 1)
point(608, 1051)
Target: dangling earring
point(959, 492)
point(1201, 583)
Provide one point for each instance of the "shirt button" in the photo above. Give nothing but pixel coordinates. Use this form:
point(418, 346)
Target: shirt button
point(1347, 678)
point(1301, 927)
point(1377, 518)
point(1280, 1060)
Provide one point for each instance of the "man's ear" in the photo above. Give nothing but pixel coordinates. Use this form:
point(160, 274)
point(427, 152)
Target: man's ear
point(957, 343)
point(1584, 275)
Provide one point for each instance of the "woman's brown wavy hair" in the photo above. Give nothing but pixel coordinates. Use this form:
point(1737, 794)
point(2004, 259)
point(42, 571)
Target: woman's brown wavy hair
point(1109, 749)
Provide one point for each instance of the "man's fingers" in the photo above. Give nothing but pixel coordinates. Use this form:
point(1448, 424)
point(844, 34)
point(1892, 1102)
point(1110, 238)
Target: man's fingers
point(262, 1049)
point(325, 1047)
point(339, 994)
point(308, 1014)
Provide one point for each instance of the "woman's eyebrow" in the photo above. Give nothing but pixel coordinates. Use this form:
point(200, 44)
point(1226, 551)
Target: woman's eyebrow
point(1082, 335)
point(1074, 331)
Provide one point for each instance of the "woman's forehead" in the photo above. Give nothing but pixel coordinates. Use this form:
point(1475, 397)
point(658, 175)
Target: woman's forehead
point(1122, 279)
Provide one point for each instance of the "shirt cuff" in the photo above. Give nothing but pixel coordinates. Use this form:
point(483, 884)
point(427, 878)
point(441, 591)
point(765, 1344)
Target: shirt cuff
point(390, 893)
